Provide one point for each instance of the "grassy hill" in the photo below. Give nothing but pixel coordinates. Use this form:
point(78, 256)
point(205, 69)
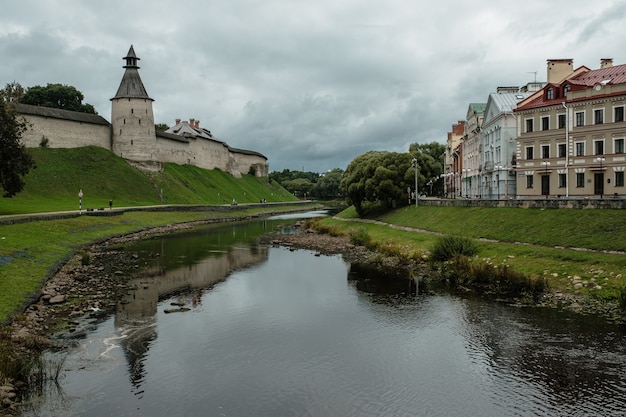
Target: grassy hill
point(61, 173)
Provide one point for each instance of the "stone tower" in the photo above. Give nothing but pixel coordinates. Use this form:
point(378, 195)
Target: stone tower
point(132, 120)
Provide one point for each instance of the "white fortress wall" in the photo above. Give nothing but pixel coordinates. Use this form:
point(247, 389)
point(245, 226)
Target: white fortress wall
point(64, 133)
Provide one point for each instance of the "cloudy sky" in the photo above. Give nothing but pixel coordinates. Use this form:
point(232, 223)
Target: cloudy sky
point(310, 84)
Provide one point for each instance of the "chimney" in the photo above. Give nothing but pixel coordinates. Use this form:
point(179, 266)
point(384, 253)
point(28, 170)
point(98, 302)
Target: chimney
point(191, 122)
point(177, 121)
point(197, 124)
point(559, 69)
point(606, 63)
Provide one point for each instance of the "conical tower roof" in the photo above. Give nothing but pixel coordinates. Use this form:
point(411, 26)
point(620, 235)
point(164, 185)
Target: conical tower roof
point(131, 85)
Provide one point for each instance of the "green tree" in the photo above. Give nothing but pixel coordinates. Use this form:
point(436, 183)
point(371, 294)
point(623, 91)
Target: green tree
point(430, 162)
point(378, 178)
point(58, 96)
point(15, 162)
point(327, 186)
point(161, 127)
point(12, 93)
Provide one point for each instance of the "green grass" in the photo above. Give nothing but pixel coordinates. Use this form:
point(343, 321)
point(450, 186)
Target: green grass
point(61, 173)
point(529, 241)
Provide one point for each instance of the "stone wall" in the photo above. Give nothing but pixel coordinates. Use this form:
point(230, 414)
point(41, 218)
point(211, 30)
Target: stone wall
point(65, 134)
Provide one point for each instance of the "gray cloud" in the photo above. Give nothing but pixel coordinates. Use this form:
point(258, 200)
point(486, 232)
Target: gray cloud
point(308, 84)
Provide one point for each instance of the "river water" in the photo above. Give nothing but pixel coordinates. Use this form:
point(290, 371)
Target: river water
point(218, 325)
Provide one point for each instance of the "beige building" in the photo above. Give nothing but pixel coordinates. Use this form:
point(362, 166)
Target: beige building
point(571, 133)
point(131, 133)
point(471, 154)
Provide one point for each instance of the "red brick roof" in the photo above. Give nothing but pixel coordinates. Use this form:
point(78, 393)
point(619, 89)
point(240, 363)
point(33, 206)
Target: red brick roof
point(584, 80)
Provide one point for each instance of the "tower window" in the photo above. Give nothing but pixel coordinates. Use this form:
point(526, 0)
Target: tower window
point(131, 141)
point(132, 111)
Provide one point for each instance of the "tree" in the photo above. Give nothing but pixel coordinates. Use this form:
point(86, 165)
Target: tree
point(12, 93)
point(15, 162)
point(430, 165)
point(58, 96)
point(327, 186)
point(161, 127)
point(378, 178)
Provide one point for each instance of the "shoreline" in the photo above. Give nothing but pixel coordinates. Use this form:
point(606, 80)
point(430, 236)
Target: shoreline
point(82, 291)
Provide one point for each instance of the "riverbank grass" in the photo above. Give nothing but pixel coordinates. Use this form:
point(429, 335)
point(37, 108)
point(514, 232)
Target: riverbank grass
point(537, 243)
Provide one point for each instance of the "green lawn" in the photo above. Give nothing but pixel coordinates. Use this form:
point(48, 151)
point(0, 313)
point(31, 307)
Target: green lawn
point(535, 242)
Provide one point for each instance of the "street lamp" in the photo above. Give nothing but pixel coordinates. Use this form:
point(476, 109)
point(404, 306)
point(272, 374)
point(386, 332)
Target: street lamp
point(601, 160)
point(547, 188)
point(414, 163)
point(466, 171)
point(498, 168)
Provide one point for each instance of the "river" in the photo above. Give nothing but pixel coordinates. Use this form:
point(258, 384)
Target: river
point(218, 325)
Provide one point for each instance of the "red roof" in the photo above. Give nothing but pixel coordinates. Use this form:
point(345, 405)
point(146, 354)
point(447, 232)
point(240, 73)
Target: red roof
point(587, 79)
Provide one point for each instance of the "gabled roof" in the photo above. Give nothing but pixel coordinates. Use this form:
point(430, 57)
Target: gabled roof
point(60, 114)
point(502, 102)
point(582, 79)
point(477, 108)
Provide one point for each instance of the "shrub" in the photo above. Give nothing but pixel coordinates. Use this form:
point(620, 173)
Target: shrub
point(448, 247)
point(622, 299)
point(360, 237)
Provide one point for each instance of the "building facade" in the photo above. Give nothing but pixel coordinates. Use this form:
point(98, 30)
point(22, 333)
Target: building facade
point(497, 135)
point(571, 134)
point(452, 160)
point(471, 154)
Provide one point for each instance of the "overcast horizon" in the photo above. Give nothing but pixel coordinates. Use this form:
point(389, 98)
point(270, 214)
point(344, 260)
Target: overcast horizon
point(311, 85)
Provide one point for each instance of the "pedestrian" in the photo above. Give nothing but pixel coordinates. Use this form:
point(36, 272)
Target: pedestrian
point(110, 204)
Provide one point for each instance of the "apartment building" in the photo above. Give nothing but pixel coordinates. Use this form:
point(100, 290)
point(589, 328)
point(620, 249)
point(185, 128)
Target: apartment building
point(471, 152)
point(571, 133)
point(497, 136)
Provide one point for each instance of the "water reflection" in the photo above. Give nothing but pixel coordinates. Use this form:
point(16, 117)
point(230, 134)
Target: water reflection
point(274, 332)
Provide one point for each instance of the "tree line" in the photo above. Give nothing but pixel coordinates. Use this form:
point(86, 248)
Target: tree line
point(375, 179)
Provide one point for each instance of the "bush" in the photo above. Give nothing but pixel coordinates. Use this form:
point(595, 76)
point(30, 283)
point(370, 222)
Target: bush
point(622, 299)
point(360, 237)
point(449, 247)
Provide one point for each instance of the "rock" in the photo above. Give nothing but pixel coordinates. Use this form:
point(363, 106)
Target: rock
point(57, 299)
point(176, 310)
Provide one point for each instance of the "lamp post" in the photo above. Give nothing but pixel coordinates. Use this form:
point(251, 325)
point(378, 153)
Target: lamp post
point(414, 163)
point(466, 171)
point(546, 164)
point(498, 168)
point(601, 160)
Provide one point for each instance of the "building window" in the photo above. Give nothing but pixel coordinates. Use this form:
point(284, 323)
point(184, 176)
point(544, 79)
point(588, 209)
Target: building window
point(618, 145)
point(562, 180)
point(530, 152)
point(529, 181)
point(598, 116)
point(549, 94)
point(598, 147)
point(580, 148)
point(545, 123)
point(529, 125)
point(580, 179)
point(562, 120)
point(618, 114)
point(619, 179)
point(580, 118)
point(545, 151)
point(562, 150)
